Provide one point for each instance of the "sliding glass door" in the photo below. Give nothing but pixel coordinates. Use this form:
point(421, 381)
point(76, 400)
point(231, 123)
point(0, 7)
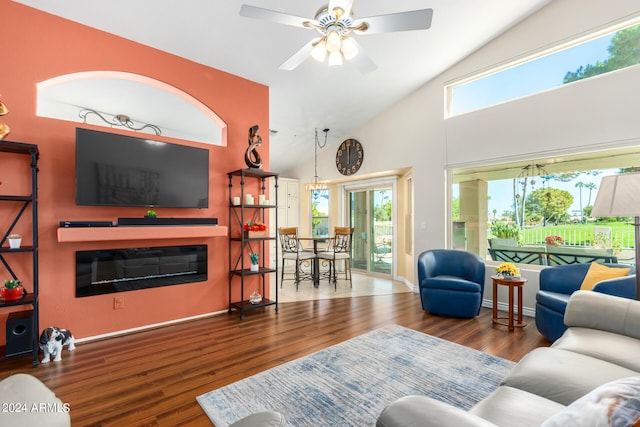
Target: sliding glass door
point(371, 215)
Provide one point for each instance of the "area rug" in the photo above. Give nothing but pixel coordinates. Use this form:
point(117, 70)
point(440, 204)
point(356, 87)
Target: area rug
point(349, 384)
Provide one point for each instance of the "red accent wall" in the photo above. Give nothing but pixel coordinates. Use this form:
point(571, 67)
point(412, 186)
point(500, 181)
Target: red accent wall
point(37, 46)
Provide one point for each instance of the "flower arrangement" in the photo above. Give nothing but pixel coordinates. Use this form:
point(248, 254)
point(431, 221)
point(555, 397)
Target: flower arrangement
point(254, 226)
point(255, 230)
point(554, 240)
point(508, 269)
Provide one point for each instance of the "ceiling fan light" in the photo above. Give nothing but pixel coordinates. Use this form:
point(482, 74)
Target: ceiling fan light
point(333, 41)
point(335, 58)
point(319, 52)
point(349, 49)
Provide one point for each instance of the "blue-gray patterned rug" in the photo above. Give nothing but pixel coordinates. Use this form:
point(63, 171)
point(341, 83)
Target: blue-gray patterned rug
point(350, 383)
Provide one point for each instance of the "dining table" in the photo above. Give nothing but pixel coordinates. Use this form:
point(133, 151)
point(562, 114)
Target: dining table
point(315, 269)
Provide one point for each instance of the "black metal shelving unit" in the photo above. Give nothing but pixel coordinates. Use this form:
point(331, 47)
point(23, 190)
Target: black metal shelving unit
point(6, 253)
point(238, 216)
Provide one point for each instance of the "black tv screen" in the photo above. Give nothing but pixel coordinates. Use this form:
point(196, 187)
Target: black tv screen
point(120, 170)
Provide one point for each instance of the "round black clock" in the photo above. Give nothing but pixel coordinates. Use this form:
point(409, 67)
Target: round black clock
point(349, 157)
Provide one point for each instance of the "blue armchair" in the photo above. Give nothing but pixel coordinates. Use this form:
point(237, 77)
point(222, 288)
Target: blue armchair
point(559, 282)
point(451, 282)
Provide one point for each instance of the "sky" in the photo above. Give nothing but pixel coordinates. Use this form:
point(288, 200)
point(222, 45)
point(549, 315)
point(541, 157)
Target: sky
point(538, 75)
point(535, 76)
point(501, 192)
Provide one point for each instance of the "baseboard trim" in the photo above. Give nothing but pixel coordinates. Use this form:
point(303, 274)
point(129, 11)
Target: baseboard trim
point(503, 306)
point(147, 327)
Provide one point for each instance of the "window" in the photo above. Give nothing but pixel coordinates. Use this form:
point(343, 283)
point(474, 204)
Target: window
point(320, 213)
point(605, 53)
point(512, 212)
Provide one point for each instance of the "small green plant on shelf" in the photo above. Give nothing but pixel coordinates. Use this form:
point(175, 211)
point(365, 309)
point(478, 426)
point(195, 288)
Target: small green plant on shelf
point(12, 290)
point(254, 258)
point(151, 214)
point(11, 283)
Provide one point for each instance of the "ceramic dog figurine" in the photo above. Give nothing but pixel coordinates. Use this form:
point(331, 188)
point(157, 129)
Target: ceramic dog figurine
point(52, 340)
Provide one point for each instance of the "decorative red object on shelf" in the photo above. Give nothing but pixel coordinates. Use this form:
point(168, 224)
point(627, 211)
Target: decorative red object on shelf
point(255, 229)
point(12, 294)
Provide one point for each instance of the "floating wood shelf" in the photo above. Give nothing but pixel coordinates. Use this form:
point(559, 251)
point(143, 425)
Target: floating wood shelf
point(101, 234)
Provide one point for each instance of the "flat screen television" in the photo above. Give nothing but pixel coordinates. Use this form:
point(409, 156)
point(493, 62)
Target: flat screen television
point(120, 170)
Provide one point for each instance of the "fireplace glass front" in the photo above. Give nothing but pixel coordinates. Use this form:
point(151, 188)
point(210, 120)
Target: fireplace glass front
point(120, 270)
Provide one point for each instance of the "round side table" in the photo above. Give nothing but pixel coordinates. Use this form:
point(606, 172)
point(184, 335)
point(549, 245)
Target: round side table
point(513, 283)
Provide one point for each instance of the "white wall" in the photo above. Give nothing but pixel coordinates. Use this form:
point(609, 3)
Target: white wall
point(582, 116)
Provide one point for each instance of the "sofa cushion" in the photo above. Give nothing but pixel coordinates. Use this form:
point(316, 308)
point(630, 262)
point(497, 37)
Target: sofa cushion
point(420, 411)
point(451, 283)
point(613, 404)
point(562, 376)
point(553, 300)
point(261, 419)
point(615, 348)
point(598, 272)
point(515, 408)
point(617, 315)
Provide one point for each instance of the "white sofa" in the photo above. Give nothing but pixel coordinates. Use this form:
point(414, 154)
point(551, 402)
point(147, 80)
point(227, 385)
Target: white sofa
point(591, 370)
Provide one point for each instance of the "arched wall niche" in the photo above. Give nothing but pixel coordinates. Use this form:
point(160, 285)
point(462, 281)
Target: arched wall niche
point(143, 99)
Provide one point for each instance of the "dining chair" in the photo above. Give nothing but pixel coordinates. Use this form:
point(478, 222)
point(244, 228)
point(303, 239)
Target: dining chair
point(339, 250)
point(293, 251)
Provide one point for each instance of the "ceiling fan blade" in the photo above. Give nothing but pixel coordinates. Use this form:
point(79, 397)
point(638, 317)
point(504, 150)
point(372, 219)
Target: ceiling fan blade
point(299, 57)
point(362, 61)
point(274, 16)
point(402, 21)
point(345, 5)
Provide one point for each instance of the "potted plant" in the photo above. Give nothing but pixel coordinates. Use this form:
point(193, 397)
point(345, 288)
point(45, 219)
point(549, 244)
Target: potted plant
point(12, 290)
point(508, 270)
point(151, 214)
point(554, 240)
point(14, 241)
point(254, 261)
point(504, 234)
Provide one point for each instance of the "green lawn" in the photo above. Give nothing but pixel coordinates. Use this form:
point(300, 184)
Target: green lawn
point(580, 234)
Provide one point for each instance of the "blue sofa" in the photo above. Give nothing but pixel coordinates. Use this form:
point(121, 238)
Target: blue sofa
point(451, 282)
point(559, 282)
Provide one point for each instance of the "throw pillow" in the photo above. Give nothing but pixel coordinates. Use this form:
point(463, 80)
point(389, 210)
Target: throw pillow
point(598, 272)
point(613, 404)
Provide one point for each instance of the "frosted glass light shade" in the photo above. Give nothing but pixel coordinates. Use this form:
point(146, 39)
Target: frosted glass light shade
point(335, 58)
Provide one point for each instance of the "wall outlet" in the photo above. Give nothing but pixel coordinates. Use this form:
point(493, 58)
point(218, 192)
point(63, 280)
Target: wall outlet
point(118, 303)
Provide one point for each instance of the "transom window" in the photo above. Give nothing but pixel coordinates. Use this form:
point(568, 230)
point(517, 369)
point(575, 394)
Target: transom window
point(602, 53)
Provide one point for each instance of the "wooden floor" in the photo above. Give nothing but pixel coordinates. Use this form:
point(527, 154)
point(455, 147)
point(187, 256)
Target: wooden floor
point(152, 378)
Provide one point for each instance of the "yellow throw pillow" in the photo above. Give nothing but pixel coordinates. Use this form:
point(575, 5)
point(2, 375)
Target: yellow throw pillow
point(598, 272)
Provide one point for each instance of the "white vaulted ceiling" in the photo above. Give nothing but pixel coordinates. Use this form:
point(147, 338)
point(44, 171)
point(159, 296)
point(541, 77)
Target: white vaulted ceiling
point(313, 95)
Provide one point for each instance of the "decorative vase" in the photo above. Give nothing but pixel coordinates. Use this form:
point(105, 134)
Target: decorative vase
point(15, 243)
point(255, 298)
point(255, 267)
point(12, 294)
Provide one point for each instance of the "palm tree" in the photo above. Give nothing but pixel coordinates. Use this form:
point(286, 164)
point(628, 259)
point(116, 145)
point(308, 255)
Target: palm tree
point(581, 185)
point(591, 186)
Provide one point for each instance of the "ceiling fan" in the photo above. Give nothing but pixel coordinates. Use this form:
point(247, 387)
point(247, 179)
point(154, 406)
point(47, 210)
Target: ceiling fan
point(335, 24)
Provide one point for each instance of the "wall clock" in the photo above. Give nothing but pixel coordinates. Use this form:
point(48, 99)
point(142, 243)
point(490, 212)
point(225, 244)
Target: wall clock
point(349, 157)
